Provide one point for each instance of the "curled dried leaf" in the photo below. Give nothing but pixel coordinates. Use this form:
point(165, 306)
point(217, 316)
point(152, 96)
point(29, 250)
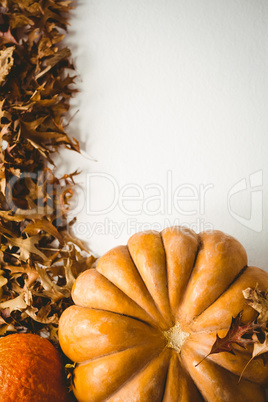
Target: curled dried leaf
point(18, 303)
point(42, 315)
point(3, 281)
point(259, 301)
point(6, 62)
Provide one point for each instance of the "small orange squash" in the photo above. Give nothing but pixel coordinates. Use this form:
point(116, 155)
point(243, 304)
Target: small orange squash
point(150, 311)
point(31, 370)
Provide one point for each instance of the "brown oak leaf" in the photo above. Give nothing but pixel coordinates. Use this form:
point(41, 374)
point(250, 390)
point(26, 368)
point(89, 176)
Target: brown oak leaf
point(235, 335)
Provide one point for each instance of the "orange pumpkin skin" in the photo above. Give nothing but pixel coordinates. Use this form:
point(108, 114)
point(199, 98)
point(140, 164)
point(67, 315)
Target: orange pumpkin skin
point(30, 370)
point(150, 311)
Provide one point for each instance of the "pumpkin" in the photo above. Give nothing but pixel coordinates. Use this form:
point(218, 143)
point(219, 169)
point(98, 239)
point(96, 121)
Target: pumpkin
point(31, 370)
point(150, 311)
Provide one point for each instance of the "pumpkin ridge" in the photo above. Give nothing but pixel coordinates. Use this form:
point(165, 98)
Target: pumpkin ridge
point(209, 331)
point(195, 259)
point(82, 363)
point(220, 259)
point(220, 373)
point(150, 317)
point(132, 247)
point(134, 375)
point(151, 297)
point(187, 371)
point(247, 374)
point(106, 355)
point(124, 364)
point(199, 248)
point(89, 325)
point(225, 290)
point(155, 317)
point(165, 384)
point(233, 363)
point(180, 386)
point(236, 375)
point(171, 312)
point(232, 302)
point(157, 355)
point(123, 315)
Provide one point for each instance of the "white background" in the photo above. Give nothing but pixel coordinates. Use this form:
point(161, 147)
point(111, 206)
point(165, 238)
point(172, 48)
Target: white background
point(173, 93)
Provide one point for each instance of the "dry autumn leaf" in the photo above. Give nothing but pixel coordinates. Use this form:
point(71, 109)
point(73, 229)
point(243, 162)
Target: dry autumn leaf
point(6, 62)
point(18, 303)
point(27, 247)
point(235, 335)
point(3, 281)
point(39, 225)
point(255, 332)
point(260, 348)
point(257, 300)
point(42, 315)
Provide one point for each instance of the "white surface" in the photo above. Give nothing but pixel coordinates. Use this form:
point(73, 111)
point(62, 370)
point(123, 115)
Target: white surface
point(173, 97)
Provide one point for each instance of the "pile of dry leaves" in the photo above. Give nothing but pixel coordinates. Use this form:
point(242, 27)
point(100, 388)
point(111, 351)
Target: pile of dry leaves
point(39, 256)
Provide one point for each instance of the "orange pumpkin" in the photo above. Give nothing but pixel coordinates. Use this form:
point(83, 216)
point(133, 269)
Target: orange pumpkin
point(31, 370)
point(150, 311)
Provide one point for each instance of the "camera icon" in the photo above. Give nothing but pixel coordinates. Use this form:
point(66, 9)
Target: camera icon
point(253, 188)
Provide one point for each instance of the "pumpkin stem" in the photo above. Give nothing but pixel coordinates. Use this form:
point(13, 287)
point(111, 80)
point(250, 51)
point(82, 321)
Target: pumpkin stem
point(175, 337)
